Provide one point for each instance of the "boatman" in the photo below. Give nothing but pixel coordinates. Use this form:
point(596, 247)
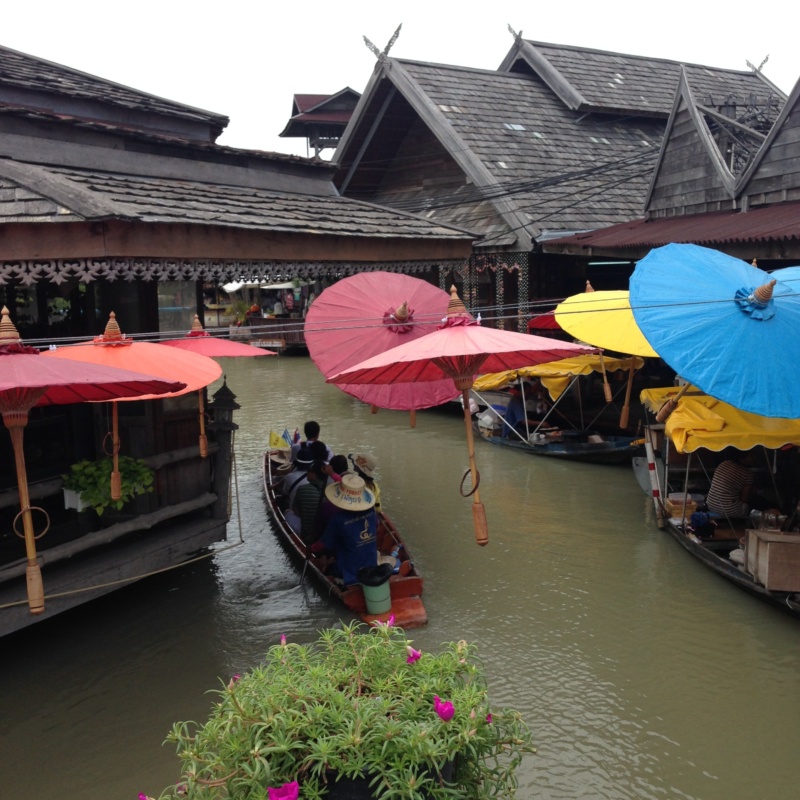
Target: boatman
point(351, 532)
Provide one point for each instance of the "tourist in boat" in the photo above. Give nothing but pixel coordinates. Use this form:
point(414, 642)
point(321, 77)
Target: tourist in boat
point(731, 487)
point(364, 466)
point(292, 482)
point(515, 412)
point(308, 502)
point(351, 533)
point(311, 430)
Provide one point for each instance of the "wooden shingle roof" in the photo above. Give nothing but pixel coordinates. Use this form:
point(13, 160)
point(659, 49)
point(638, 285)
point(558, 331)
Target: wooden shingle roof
point(559, 139)
point(28, 81)
point(607, 82)
point(36, 193)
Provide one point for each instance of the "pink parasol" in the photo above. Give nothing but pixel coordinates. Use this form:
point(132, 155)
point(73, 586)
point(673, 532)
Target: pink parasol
point(367, 314)
point(114, 349)
point(458, 351)
point(26, 380)
point(200, 341)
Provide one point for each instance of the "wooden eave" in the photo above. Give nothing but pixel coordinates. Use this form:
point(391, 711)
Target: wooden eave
point(122, 239)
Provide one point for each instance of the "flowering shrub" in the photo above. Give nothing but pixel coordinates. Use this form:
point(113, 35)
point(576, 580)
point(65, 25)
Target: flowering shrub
point(359, 703)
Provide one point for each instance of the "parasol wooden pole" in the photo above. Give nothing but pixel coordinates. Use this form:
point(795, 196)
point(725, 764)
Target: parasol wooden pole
point(478, 511)
point(203, 438)
point(626, 408)
point(670, 405)
point(412, 418)
point(116, 478)
point(15, 422)
point(606, 388)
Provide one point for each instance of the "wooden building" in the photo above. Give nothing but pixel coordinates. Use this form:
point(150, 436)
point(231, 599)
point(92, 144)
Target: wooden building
point(731, 183)
point(321, 119)
point(557, 140)
point(116, 200)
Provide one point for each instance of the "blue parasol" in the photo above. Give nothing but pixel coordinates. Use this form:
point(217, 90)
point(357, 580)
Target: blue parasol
point(724, 325)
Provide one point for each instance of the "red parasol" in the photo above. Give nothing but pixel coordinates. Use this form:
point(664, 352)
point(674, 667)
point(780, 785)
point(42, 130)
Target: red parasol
point(27, 380)
point(459, 350)
point(113, 349)
point(367, 314)
point(199, 341)
point(544, 322)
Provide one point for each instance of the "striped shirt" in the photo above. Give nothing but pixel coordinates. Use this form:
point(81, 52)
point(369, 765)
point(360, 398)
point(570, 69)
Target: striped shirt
point(725, 495)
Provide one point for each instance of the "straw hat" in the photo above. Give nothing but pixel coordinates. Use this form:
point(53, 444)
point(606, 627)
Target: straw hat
point(365, 463)
point(350, 494)
point(281, 457)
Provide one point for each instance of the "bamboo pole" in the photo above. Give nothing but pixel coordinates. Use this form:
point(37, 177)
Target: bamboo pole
point(626, 408)
point(478, 511)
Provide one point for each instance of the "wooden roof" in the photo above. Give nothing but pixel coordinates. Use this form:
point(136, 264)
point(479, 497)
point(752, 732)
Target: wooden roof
point(29, 82)
point(598, 80)
point(40, 193)
point(541, 147)
point(313, 110)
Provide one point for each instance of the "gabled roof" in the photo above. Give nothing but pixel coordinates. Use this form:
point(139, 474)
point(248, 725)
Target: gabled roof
point(63, 194)
point(34, 83)
point(558, 139)
point(320, 109)
point(539, 164)
point(601, 81)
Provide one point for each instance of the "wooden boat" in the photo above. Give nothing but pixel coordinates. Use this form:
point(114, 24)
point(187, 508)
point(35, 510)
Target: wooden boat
point(542, 437)
point(715, 552)
point(586, 446)
point(754, 554)
point(405, 586)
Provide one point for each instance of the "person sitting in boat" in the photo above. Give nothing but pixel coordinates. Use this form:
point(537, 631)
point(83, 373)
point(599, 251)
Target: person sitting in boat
point(351, 533)
point(515, 412)
point(364, 466)
point(731, 487)
point(311, 430)
point(292, 482)
point(308, 502)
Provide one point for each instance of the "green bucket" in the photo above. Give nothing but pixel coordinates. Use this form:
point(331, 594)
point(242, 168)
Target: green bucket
point(377, 591)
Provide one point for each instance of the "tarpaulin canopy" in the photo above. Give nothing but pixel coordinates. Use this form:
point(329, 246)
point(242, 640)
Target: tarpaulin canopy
point(556, 375)
point(701, 421)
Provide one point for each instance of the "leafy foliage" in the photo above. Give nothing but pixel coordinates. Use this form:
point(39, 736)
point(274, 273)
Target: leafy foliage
point(357, 703)
point(92, 481)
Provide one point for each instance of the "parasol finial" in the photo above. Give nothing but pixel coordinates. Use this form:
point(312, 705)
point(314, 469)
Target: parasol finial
point(456, 307)
point(589, 287)
point(754, 262)
point(8, 332)
point(197, 326)
point(401, 314)
point(764, 293)
point(112, 330)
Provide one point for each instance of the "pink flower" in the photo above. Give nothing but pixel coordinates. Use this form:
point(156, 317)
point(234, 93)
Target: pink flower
point(181, 788)
point(234, 680)
point(283, 640)
point(143, 796)
point(413, 655)
point(489, 718)
point(445, 709)
point(289, 791)
point(388, 624)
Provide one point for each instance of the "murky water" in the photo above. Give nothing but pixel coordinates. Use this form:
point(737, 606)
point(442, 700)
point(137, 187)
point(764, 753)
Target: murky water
point(641, 674)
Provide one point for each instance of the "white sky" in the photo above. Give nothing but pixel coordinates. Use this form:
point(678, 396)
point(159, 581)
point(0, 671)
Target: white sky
point(246, 59)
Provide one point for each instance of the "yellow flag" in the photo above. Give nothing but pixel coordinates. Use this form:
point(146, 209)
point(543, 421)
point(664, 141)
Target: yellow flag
point(277, 442)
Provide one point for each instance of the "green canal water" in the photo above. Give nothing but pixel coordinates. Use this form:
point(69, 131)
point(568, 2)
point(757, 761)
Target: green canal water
point(641, 674)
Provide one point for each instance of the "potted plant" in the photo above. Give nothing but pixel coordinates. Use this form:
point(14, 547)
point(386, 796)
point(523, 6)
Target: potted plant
point(359, 713)
point(88, 483)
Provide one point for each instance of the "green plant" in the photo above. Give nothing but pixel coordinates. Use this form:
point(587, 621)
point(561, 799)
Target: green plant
point(359, 703)
point(92, 481)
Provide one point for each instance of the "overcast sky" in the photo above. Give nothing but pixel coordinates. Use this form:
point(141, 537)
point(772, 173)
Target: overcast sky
point(246, 60)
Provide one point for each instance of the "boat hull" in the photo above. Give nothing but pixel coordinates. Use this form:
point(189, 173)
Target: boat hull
point(714, 554)
point(612, 450)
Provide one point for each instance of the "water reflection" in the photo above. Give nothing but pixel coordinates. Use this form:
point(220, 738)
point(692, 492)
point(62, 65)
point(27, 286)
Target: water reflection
point(641, 674)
